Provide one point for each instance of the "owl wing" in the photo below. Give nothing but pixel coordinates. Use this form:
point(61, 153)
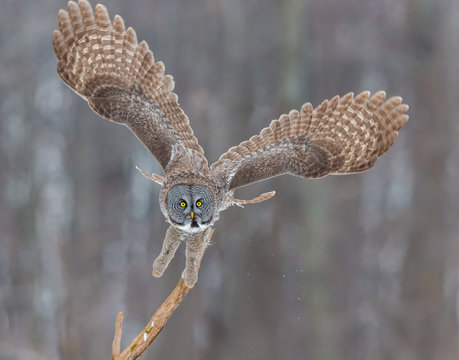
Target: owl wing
point(103, 63)
point(340, 136)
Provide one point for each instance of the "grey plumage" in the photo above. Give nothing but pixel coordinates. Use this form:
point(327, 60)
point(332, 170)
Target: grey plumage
point(102, 61)
point(190, 206)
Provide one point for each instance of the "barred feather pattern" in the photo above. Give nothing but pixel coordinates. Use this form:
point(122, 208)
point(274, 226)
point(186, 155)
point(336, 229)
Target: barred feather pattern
point(102, 61)
point(340, 136)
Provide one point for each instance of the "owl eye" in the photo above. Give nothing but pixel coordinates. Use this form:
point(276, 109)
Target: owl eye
point(198, 203)
point(182, 204)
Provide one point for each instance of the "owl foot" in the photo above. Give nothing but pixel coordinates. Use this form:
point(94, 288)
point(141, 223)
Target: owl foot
point(190, 276)
point(170, 245)
point(159, 265)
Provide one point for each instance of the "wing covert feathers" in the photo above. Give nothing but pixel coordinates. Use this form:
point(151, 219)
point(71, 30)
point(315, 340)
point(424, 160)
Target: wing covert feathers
point(341, 135)
point(103, 62)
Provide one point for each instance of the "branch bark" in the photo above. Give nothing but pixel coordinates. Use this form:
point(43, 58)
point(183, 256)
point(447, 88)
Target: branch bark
point(154, 326)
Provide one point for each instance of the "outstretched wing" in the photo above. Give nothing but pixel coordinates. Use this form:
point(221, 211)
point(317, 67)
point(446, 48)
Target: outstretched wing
point(340, 136)
point(102, 62)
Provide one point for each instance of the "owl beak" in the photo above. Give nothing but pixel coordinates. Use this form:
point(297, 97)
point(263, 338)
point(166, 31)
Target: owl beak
point(192, 215)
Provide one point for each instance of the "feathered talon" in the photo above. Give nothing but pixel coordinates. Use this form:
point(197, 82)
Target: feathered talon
point(190, 277)
point(159, 266)
point(195, 247)
point(170, 245)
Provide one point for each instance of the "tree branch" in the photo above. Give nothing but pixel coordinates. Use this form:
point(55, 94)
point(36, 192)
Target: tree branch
point(154, 326)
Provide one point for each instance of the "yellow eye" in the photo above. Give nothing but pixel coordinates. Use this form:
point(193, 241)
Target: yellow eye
point(183, 204)
point(198, 203)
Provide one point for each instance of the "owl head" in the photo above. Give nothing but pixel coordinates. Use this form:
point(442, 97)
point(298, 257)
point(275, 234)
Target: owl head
point(190, 207)
point(189, 202)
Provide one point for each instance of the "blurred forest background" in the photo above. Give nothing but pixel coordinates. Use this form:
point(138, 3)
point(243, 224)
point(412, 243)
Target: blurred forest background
point(353, 267)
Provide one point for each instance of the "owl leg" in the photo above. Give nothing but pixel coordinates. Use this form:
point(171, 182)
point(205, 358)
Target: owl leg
point(195, 248)
point(170, 245)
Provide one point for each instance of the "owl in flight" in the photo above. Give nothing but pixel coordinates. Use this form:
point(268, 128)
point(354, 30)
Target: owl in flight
point(103, 62)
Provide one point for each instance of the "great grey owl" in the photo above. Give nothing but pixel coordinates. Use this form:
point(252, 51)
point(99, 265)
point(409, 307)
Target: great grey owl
point(102, 62)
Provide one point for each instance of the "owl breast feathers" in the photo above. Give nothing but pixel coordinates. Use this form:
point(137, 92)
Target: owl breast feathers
point(103, 62)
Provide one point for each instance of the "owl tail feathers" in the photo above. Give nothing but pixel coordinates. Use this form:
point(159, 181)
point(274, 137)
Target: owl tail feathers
point(154, 177)
point(258, 199)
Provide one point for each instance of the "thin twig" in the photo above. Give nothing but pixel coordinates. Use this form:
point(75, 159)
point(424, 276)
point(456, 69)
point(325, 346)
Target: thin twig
point(141, 342)
point(116, 346)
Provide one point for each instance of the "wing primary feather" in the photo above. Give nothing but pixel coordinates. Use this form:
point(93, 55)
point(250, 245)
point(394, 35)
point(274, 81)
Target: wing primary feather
point(104, 63)
point(342, 135)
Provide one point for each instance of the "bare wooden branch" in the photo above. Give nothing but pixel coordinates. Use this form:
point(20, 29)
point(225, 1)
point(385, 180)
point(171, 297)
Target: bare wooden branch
point(154, 326)
point(116, 346)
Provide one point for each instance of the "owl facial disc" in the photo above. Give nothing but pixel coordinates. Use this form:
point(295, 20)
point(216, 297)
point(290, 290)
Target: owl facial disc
point(190, 207)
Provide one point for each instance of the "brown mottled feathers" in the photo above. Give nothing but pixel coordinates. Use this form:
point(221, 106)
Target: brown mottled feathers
point(102, 62)
point(341, 135)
